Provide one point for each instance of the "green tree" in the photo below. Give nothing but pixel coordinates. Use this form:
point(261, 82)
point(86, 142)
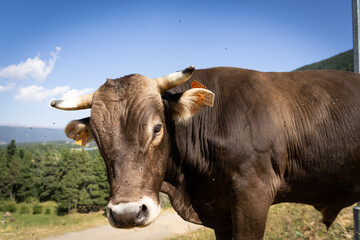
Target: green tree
point(5, 178)
point(13, 165)
point(48, 181)
point(11, 149)
point(24, 183)
point(75, 179)
point(68, 192)
point(85, 179)
point(69, 179)
point(99, 186)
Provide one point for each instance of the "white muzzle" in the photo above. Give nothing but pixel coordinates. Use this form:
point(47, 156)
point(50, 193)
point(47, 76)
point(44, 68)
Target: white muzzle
point(133, 214)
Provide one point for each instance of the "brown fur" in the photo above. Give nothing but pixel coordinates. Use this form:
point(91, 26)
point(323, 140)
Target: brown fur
point(270, 138)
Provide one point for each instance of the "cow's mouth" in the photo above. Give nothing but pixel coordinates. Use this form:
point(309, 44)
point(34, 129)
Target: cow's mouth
point(133, 214)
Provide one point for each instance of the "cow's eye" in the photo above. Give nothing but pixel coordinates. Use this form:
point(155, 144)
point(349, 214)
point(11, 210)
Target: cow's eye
point(157, 128)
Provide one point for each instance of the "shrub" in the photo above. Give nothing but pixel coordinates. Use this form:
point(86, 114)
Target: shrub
point(62, 209)
point(2, 206)
point(10, 207)
point(83, 209)
point(37, 209)
point(164, 201)
point(47, 211)
point(24, 210)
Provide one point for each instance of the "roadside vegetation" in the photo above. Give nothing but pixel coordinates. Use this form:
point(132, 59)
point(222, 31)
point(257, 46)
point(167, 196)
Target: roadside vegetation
point(38, 220)
point(48, 188)
point(72, 177)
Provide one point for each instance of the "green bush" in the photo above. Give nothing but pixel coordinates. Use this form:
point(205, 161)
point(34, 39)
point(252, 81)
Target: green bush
point(62, 209)
point(24, 210)
point(164, 201)
point(37, 209)
point(10, 207)
point(47, 211)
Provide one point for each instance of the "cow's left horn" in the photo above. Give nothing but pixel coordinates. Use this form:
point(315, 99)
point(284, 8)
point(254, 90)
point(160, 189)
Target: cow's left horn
point(76, 103)
point(174, 79)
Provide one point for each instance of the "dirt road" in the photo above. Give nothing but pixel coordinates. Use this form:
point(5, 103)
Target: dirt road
point(169, 224)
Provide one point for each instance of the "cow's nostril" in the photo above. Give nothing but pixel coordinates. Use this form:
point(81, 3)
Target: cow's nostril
point(142, 214)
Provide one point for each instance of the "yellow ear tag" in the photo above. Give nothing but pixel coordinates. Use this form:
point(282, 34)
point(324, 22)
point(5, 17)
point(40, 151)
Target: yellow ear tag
point(206, 98)
point(196, 84)
point(82, 139)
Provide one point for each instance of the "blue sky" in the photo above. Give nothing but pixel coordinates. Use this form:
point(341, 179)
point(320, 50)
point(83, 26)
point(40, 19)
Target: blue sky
point(55, 49)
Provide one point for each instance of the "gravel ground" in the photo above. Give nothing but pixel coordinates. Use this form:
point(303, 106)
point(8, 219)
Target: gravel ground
point(169, 224)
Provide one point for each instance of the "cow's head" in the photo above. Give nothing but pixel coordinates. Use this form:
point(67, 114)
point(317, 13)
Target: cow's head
point(128, 124)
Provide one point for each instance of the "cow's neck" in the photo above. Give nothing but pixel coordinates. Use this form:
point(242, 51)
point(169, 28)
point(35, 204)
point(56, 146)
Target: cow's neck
point(186, 154)
point(180, 201)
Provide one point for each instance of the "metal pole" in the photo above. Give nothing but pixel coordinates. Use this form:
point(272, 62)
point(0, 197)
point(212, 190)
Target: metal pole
point(356, 38)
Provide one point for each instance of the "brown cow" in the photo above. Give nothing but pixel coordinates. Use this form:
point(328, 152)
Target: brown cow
point(270, 138)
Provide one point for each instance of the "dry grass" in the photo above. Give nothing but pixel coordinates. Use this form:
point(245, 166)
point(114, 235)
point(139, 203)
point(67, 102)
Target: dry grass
point(71, 223)
point(201, 234)
point(297, 221)
point(294, 221)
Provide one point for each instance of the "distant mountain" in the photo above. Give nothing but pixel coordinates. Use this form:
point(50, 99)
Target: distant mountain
point(343, 61)
point(30, 134)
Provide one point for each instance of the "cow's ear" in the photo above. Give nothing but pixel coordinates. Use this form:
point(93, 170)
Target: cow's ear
point(79, 130)
point(192, 102)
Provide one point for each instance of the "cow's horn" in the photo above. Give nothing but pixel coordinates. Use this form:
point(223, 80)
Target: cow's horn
point(174, 79)
point(76, 103)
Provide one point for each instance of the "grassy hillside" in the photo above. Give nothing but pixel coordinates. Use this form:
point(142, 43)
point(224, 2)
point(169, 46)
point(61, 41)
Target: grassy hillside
point(343, 61)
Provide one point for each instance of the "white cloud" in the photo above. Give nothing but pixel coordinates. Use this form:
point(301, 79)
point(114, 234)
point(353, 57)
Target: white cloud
point(38, 70)
point(38, 94)
point(74, 93)
point(34, 68)
point(7, 87)
point(35, 93)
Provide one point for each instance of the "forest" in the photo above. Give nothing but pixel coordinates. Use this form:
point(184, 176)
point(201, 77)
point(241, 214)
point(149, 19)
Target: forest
point(342, 61)
point(71, 176)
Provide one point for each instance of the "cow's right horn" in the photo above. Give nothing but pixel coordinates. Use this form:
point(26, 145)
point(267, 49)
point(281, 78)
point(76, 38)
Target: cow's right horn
point(174, 79)
point(76, 103)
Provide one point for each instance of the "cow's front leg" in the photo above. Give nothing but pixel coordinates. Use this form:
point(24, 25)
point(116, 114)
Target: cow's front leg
point(224, 235)
point(251, 201)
